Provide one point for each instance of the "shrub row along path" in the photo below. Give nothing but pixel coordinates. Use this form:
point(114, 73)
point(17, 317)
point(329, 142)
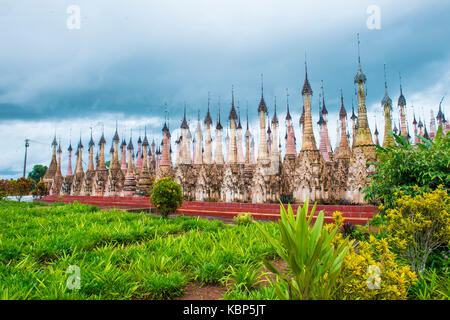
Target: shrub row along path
point(358, 215)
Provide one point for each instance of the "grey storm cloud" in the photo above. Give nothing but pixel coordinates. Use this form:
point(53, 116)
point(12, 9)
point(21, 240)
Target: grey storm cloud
point(131, 57)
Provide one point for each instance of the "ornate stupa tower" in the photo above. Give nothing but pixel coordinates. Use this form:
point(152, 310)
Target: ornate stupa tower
point(402, 106)
point(291, 153)
point(310, 163)
point(198, 156)
point(208, 140)
point(364, 148)
point(186, 141)
point(340, 165)
point(69, 164)
point(248, 137)
point(129, 186)
point(165, 157)
point(145, 183)
point(123, 158)
point(263, 156)
point(329, 150)
point(354, 119)
point(79, 172)
point(308, 139)
point(275, 151)
point(240, 151)
point(58, 180)
point(386, 103)
point(344, 145)
point(115, 158)
point(101, 174)
point(49, 175)
point(139, 156)
point(88, 183)
point(269, 137)
point(218, 154)
point(323, 139)
point(232, 156)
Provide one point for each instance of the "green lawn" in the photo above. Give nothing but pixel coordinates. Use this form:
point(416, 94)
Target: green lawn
point(123, 255)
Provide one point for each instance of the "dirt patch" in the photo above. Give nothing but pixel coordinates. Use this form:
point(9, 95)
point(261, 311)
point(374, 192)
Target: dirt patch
point(280, 265)
point(196, 292)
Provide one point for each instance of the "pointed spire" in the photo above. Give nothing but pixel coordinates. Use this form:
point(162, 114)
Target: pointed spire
point(324, 109)
point(239, 111)
point(306, 86)
point(145, 142)
point(233, 115)
point(342, 112)
point(116, 135)
point(386, 99)
point(401, 99)
point(208, 120)
point(440, 116)
point(275, 118)
point(54, 142)
point(184, 124)
point(219, 125)
point(353, 117)
point(262, 104)
point(321, 120)
point(288, 114)
point(91, 142)
point(360, 76)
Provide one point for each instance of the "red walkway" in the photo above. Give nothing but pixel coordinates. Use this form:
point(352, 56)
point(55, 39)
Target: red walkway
point(225, 211)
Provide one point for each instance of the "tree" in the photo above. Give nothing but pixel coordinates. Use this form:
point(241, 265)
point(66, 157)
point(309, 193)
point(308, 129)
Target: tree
point(38, 172)
point(41, 190)
point(404, 167)
point(166, 196)
point(5, 188)
point(21, 187)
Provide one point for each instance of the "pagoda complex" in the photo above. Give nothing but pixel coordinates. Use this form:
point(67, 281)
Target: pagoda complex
point(207, 173)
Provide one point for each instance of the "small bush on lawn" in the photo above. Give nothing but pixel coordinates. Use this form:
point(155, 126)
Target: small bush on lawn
point(166, 196)
point(243, 218)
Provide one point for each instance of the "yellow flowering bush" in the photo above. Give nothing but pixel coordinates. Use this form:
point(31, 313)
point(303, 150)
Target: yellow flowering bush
point(370, 271)
point(420, 224)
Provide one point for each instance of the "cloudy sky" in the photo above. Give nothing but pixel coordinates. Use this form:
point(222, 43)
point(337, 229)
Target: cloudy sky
point(131, 57)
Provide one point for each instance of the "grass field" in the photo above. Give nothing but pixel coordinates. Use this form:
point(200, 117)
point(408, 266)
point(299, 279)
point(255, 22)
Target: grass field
point(124, 255)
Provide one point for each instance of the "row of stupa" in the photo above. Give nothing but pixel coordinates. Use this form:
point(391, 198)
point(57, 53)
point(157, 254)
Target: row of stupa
point(316, 172)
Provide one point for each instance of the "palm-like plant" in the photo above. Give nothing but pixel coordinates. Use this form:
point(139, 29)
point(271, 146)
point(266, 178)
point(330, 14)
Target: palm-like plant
point(314, 262)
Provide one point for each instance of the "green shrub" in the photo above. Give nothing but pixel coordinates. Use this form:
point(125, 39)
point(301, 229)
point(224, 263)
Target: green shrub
point(243, 218)
point(166, 196)
point(432, 286)
point(313, 261)
point(404, 166)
